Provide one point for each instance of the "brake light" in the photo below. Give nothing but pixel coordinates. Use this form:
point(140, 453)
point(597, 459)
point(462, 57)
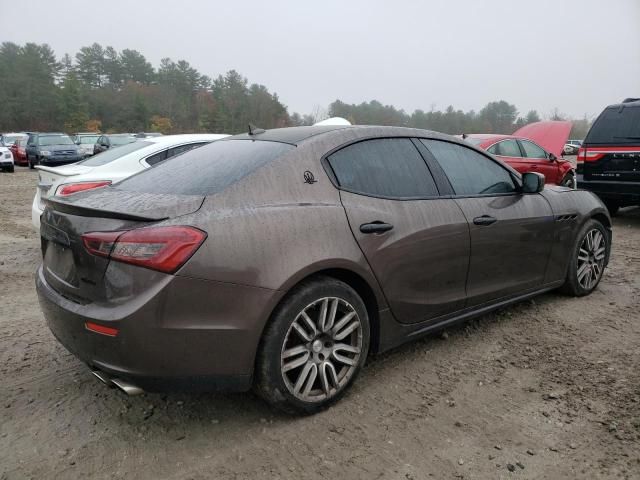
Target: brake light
point(584, 155)
point(164, 249)
point(71, 188)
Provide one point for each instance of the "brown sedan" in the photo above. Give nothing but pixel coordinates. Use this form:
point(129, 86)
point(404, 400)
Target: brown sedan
point(282, 259)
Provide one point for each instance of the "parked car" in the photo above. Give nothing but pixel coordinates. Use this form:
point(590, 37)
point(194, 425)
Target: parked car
point(572, 147)
point(281, 259)
point(110, 167)
point(8, 139)
point(86, 142)
point(19, 151)
point(536, 147)
point(147, 134)
point(105, 142)
point(51, 149)
point(6, 160)
point(609, 159)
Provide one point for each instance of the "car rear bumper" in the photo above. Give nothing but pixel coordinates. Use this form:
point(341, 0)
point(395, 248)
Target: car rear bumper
point(623, 192)
point(189, 335)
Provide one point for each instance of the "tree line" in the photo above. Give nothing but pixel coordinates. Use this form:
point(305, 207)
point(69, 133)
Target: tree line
point(101, 89)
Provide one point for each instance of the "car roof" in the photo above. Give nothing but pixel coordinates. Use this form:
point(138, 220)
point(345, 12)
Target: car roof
point(489, 137)
point(291, 135)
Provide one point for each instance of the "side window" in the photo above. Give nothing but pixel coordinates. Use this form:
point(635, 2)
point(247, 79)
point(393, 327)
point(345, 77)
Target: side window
point(385, 167)
point(469, 172)
point(493, 150)
point(531, 150)
point(508, 148)
point(156, 158)
point(183, 148)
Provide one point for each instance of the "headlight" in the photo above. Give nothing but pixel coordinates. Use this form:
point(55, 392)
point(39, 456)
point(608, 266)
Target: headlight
point(46, 153)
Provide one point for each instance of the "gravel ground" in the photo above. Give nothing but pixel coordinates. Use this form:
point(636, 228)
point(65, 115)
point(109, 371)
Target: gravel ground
point(548, 388)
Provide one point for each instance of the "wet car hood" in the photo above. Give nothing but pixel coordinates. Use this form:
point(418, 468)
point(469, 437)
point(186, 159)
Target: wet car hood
point(551, 135)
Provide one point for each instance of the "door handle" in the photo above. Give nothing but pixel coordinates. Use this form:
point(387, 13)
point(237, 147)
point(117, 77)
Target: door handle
point(484, 220)
point(375, 227)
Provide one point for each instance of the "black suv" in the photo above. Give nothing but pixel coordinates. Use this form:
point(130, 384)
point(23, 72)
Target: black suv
point(609, 159)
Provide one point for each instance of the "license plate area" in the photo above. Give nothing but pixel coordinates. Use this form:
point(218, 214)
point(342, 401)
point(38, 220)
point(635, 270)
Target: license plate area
point(59, 262)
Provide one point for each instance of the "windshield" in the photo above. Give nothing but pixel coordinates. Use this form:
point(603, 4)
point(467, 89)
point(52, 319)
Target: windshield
point(206, 170)
point(87, 139)
point(9, 140)
point(122, 140)
point(110, 155)
point(55, 140)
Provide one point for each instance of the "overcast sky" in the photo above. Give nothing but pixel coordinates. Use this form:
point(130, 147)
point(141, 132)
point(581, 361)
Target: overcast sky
point(576, 55)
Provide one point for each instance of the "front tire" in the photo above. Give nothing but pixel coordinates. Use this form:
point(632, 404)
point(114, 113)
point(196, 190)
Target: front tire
point(588, 259)
point(314, 346)
point(569, 180)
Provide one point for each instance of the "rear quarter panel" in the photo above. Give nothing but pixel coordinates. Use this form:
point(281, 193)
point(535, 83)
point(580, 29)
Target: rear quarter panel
point(272, 229)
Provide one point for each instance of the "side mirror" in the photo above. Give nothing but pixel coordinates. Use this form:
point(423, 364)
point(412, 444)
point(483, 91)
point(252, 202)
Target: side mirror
point(552, 157)
point(532, 182)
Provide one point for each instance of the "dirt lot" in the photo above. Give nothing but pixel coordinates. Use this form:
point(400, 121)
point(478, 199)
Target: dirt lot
point(548, 388)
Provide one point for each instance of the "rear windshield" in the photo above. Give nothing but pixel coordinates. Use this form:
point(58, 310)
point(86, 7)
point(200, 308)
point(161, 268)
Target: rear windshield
point(206, 170)
point(86, 139)
point(616, 126)
point(113, 154)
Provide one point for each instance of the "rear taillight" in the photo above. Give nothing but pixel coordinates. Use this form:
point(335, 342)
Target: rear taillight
point(71, 188)
point(584, 155)
point(164, 249)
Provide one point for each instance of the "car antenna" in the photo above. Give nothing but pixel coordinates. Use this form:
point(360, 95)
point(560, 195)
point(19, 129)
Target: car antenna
point(253, 130)
point(464, 135)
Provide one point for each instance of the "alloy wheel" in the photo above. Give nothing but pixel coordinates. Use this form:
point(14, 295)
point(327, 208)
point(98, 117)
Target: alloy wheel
point(322, 349)
point(591, 256)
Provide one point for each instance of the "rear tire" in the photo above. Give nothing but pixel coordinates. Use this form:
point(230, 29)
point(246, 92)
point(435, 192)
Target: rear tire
point(588, 259)
point(314, 346)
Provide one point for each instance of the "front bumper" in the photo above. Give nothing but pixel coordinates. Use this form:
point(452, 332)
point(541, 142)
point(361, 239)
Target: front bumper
point(626, 193)
point(189, 334)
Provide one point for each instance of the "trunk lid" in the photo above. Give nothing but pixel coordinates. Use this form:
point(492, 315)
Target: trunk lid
point(550, 135)
point(50, 176)
point(68, 267)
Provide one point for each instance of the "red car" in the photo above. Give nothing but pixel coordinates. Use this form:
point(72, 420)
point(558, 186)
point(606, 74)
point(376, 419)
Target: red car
point(536, 147)
point(19, 152)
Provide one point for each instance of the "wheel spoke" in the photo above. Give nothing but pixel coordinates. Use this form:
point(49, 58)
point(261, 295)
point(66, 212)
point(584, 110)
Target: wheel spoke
point(310, 323)
point(296, 363)
point(582, 271)
point(301, 331)
point(344, 359)
point(292, 352)
point(344, 332)
point(331, 318)
point(345, 347)
point(599, 254)
point(304, 375)
point(328, 377)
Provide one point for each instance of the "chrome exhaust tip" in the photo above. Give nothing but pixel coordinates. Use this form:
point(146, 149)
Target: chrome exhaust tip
point(126, 387)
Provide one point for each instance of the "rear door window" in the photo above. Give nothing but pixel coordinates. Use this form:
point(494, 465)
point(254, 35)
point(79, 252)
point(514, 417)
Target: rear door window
point(469, 172)
point(616, 126)
point(508, 148)
point(206, 170)
point(386, 167)
point(531, 150)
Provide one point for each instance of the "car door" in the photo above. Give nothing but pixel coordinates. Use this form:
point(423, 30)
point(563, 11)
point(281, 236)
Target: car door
point(31, 144)
point(540, 161)
point(416, 243)
point(511, 232)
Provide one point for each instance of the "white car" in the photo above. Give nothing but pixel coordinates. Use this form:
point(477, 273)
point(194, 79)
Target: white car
point(85, 142)
point(111, 166)
point(6, 159)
